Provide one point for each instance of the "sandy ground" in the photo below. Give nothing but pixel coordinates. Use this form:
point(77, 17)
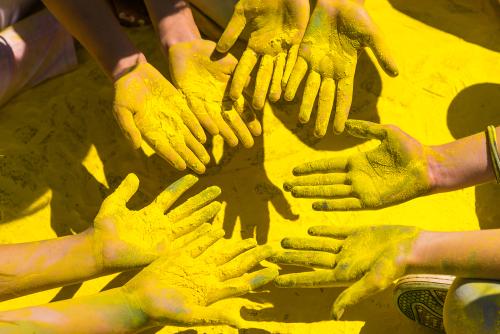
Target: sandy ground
point(61, 153)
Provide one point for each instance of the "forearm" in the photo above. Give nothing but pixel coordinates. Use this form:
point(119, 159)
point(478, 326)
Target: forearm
point(173, 21)
point(462, 163)
point(473, 254)
point(29, 267)
point(94, 25)
point(111, 311)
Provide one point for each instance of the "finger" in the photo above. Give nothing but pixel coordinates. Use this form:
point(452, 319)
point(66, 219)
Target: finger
point(127, 125)
point(321, 166)
point(206, 121)
point(311, 279)
point(343, 103)
point(340, 190)
point(298, 73)
point(198, 149)
point(125, 190)
point(168, 196)
point(311, 259)
point(383, 53)
point(224, 129)
point(194, 203)
point(185, 239)
point(279, 67)
point(262, 82)
point(247, 113)
point(226, 250)
point(241, 74)
point(316, 180)
point(196, 219)
point(244, 262)
point(200, 245)
point(312, 243)
point(290, 63)
point(325, 106)
point(239, 286)
point(167, 152)
point(186, 154)
point(310, 92)
point(342, 204)
point(365, 129)
point(338, 232)
point(233, 30)
point(192, 123)
point(236, 123)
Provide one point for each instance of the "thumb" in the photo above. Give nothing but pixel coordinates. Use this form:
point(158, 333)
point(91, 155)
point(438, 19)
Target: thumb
point(382, 51)
point(232, 31)
point(365, 129)
point(126, 122)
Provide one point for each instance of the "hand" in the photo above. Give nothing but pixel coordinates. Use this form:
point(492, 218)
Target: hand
point(180, 288)
point(337, 32)
point(147, 105)
point(395, 171)
point(370, 258)
point(276, 28)
point(204, 79)
point(125, 238)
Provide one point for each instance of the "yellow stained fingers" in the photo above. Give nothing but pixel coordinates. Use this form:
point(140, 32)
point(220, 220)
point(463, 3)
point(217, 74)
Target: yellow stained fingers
point(263, 81)
point(234, 120)
point(244, 262)
point(233, 30)
point(194, 203)
point(200, 245)
point(191, 160)
point(192, 123)
point(279, 68)
point(325, 106)
point(241, 285)
point(311, 259)
point(290, 63)
point(196, 219)
point(338, 232)
point(198, 150)
point(168, 196)
point(324, 191)
point(320, 166)
point(298, 73)
point(365, 129)
point(198, 107)
point(312, 279)
point(343, 103)
point(242, 73)
point(247, 113)
point(312, 243)
point(226, 250)
point(127, 125)
point(342, 204)
point(224, 129)
point(382, 52)
point(317, 180)
point(311, 90)
point(167, 152)
point(124, 192)
point(185, 239)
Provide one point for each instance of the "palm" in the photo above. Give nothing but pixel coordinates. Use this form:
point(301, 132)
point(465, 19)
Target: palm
point(337, 32)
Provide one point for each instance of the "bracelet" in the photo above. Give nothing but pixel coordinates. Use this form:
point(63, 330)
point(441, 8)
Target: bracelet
point(491, 137)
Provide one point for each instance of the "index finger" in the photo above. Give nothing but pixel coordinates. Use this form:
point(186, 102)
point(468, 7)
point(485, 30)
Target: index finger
point(168, 196)
point(337, 232)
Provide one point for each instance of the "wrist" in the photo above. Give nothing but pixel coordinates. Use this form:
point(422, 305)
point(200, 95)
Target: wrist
point(97, 249)
point(415, 261)
point(127, 64)
point(438, 167)
point(135, 311)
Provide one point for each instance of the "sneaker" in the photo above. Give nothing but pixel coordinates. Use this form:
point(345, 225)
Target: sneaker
point(421, 298)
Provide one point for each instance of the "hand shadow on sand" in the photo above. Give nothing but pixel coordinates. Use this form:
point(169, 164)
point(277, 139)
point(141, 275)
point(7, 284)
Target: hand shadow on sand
point(476, 22)
point(470, 112)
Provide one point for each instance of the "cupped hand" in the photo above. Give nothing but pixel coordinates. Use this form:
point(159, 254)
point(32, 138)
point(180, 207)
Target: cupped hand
point(337, 32)
point(276, 28)
point(181, 287)
point(203, 77)
point(126, 238)
point(369, 258)
point(148, 107)
point(395, 171)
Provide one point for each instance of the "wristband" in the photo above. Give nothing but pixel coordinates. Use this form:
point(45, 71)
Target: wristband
point(491, 137)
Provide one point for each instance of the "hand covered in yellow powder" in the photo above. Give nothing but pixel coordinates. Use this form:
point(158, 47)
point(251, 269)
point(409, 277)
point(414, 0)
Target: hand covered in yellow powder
point(203, 77)
point(276, 28)
point(395, 171)
point(369, 258)
point(125, 238)
point(180, 288)
point(337, 32)
point(147, 106)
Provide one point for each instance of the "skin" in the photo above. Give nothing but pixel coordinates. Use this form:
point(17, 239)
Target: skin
point(180, 288)
point(275, 28)
point(145, 105)
point(120, 239)
point(337, 32)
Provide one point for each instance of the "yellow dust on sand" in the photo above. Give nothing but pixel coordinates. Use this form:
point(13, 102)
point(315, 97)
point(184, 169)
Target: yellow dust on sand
point(62, 152)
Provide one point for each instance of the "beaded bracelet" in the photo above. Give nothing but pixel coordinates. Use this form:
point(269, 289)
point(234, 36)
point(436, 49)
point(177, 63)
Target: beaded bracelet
point(491, 137)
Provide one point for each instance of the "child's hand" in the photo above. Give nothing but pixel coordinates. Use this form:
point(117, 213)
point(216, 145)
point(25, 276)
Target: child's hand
point(369, 258)
point(394, 172)
point(338, 30)
point(147, 106)
point(276, 28)
point(126, 239)
point(203, 78)
point(180, 288)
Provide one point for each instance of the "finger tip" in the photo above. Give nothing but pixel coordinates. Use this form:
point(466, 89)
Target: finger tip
point(287, 186)
point(319, 133)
